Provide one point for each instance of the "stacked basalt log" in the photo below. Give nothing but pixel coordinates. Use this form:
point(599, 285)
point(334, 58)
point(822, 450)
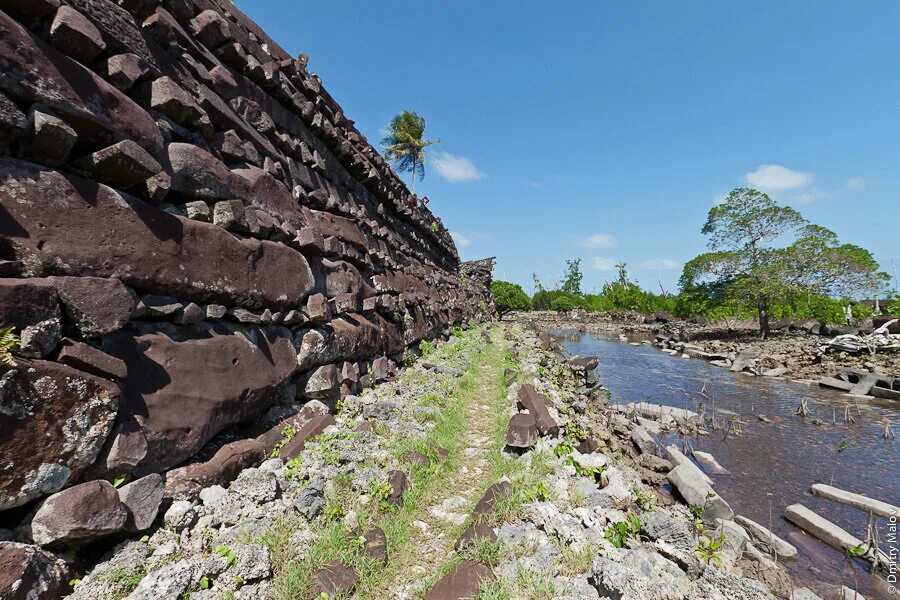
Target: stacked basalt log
point(193, 237)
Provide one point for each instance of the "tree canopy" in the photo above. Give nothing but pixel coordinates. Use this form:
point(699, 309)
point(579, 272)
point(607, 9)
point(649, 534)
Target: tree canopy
point(762, 252)
point(509, 297)
point(405, 144)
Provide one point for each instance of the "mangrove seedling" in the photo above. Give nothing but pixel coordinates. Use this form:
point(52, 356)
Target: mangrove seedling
point(708, 548)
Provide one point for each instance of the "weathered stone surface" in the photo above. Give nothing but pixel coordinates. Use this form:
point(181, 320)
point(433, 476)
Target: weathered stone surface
point(183, 389)
point(141, 499)
point(124, 70)
point(198, 174)
point(81, 513)
point(72, 33)
point(376, 546)
point(70, 411)
point(31, 11)
point(30, 573)
point(399, 484)
point(13, 123)
point(33, 310)
point(643, 440)
point(53, 226)
point(169, 582)
point(50, 139)
point(83, 357)
point(463, 581)
point(322, 383)
point(858, 501)
point(122, 165)
point(211, 29)
point(35, 72)
point(172, 100)
point(522, 431)
point(94, 306)
point(537, 406)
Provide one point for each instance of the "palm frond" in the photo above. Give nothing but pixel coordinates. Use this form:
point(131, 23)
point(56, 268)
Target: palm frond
point(9, 342)
point(404, 144)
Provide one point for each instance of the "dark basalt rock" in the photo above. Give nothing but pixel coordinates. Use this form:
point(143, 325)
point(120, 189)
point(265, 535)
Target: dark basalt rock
point(82, 513)
point(463, 581)
point(30, 573)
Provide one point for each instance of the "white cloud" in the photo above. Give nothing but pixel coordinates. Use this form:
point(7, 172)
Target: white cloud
point(810, 196)
point(603, 264)
point(855, 184)
point(599, 240)
point(456, 169)
point(460, 239)
point(776, 178)
point(659, 264)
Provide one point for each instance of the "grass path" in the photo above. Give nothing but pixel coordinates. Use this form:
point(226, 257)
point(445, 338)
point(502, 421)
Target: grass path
point(441, 515)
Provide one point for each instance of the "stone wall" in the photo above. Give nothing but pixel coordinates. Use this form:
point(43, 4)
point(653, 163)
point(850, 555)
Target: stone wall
point(194, 239)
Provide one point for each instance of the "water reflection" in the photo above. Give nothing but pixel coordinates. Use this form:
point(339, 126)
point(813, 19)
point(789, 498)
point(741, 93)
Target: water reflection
point(772, 464)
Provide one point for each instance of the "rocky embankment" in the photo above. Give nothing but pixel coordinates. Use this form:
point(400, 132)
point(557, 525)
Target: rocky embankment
point(491, 466)
point(794, 350)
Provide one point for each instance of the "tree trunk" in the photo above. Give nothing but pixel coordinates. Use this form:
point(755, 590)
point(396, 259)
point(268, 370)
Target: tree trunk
point(763, 305)
point(413, 190)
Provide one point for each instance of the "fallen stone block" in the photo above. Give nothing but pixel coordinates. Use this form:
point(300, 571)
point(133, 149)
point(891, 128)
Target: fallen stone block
point(142, 499)
point(84, 357)
point(310, 430)
point(81, 513)
point(698, 493)
point(537, 406)
point(186, 483)
point(50, 139)
point(710, 463)
point(522, 431)
point(863, 503)
point(678, 458)
point(76, 36)
point(643, 440)
point(122, 165)
point(496, 491)
point(463, 581)
point(399, 484)
point(766, 539)
point(335, 580)
point(480, 531)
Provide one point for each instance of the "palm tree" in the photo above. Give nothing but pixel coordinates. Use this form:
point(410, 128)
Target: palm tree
point(405, 144)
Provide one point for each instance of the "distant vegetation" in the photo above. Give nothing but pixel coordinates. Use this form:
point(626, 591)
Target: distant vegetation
point(509, 297)
point(765, 261)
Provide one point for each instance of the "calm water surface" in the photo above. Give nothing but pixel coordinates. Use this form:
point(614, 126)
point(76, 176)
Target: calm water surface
point(773, 464)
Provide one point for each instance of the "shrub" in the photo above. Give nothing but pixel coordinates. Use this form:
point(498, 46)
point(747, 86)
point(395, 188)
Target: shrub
point(509, 297)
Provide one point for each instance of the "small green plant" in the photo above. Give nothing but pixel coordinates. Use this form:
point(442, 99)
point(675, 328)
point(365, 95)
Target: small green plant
point(645, 500)
point(435, 227)
point(333, 512)
point(380, 491)
point(708, 548)
point(540, 492)
point(227, 553)
point(117, 481)
point(292, 468)
point(618, 533)
point(426, 348)
point(204, 583)
point(73, 583)
point(9, 343)
point(286, 435)
point(856, 551)
point(564, 448)
point(457, 332)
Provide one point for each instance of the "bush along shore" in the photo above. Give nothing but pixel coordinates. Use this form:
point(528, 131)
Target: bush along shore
point(804, 350)
point(490, 467)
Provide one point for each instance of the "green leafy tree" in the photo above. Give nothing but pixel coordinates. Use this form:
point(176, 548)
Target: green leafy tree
point(509, 297)
point(763, 254)
point(571, 282)
point(405, 144)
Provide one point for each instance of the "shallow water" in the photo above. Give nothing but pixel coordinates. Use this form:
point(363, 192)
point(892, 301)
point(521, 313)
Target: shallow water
point(772, 465)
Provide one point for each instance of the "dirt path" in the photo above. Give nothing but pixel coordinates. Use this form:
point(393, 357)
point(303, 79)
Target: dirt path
point(441, 521)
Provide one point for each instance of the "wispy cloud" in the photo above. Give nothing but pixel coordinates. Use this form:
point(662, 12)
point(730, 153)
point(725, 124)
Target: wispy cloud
point(599, 240)
point(855, 184)
point(460, 239)
point(776, 178)
point(659, 264)
point(456, 169)
point(603, 264)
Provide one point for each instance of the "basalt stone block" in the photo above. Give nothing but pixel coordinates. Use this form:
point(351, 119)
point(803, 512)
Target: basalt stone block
point(310, 430)
point(211, 29)
point(94, 306)
point(335, 580)
point(322, 383)
point(84, 357)
point(50, 139)
point(186, 483)
point(125, 70)
point(13, 122)
point(464, 581)
point(100, 114)
point(537, 405)
point(198, 174)
point(122, 165)
point(399, 484)
point(522, 431)
point(31, 11)
point(82, 513)
point(376, 545)
point(183, 388)
point(54, 225)
point(496, 491)
point(33, 310)
point(141, 499)
point(318, 310)
point(172, 100)
point(76, 36)
point(30, 573)
point(476, 531)
point(69, 411)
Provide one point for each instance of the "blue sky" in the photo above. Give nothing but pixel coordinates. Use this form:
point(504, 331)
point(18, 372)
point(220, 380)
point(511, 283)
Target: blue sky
point(606, 130)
